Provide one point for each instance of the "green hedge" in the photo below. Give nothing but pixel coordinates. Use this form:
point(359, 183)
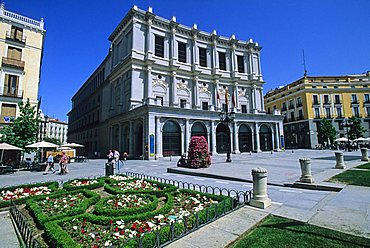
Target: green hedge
point(59, 238)
point(41, 218)
point(169, 188)
point(51, 185)
point(100, 209)
point(67, 185)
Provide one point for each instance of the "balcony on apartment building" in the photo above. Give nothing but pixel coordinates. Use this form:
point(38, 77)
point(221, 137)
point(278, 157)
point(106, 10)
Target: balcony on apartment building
point(354, 102)
point(326, 102)
point(11, 92)
point(283, 108)
point(20, 39)
point(13, 63)
point(315, 103)
point(301, 117)
point(299, 104)
point(337, 102)
point(367, 102)
point(291, 106)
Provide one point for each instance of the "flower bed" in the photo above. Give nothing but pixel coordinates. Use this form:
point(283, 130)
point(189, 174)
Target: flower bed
point(183, 210)
point(83, 184)
point(139, 186)
point(61, 205)
point(126, 204)
point(119, 178)
point(20, 193)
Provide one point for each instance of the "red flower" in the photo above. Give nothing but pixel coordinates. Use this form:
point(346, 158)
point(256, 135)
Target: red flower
point(134, 226)
point(116, 229)
point(122, 232)
point(82, 230)
point(110, 222)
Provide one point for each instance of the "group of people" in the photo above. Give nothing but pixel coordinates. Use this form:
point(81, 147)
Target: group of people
point(114, 157)
point(63, 164)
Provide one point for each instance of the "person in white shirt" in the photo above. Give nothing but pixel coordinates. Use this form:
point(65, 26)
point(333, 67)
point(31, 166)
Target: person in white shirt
point(50, 164)
point(116, 156)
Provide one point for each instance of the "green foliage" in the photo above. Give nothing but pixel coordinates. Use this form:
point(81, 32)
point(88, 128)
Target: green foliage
point(53, 140)
point(282, 232)
point(356, 130)
point(24, 129)
point(68, 186)
point(41, 217)
point(326, 132)
point(51, 185)
point(353, 177)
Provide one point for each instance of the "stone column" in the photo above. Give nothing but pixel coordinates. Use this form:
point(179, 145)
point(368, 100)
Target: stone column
point(260, 198)
point(364, 154)
point(257, 137)
point(173, 41)
point(236, 143)
point(131, 141)
point(149, 45)
point(213, 133)
point(340, 160)
point(306, 176)
point(148, 87)
point(158, 137)
point(254, 99)
point(196, 93)
point(187, 135)
point(174, 101)
point(215, 90)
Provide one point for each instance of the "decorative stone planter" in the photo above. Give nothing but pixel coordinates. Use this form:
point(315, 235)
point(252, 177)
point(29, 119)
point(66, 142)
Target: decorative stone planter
point(260, 198)
point(364, 154)
point(340, 160)
point(306, 176)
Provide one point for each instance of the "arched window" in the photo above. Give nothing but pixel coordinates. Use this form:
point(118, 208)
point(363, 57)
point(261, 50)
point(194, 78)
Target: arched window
point(198, 129)
point(245, 138)
point(222, 138)
point(171, 139)
point(265, 138)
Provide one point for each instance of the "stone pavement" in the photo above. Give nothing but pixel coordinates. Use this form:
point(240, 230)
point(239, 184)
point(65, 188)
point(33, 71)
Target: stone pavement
point(8, 237)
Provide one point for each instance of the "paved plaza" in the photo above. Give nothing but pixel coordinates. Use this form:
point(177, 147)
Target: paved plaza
point(345, 211)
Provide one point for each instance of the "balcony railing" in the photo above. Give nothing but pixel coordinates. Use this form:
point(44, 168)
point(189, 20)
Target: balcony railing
point(337, 102)
point(14, 38)
point(300, 118)
point(367, 101)
point(315, 103)
point(326, 102)
point(283, 109)
point(317, 116)
point(13, 63)
point(11, 92)
point(354, 102)
point(299, 104)
point(291, 106)
point(328, 116)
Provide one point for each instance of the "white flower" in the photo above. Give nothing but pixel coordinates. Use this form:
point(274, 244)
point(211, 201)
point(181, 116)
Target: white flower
point(107, 243)
point(74, 227)
point(150, 224)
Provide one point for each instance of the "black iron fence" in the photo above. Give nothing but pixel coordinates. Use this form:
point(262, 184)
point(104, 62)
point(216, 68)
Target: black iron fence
point(23, 227)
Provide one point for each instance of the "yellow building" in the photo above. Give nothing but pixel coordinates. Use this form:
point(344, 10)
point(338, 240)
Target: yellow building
point(309, 99)
point(21, 47)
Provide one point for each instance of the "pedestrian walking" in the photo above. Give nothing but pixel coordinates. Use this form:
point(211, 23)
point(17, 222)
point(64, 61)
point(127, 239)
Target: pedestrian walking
point(63, 163)
point(116, 156)
point(110, 156)
point(50, 164)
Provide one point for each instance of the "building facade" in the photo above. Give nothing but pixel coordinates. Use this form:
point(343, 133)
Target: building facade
point(21, 47)
point(52, 128)
point(163, 82)
point(305, 102)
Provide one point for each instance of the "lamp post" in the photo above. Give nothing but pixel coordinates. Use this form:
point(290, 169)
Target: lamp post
point(347, 124)
point(227, 118)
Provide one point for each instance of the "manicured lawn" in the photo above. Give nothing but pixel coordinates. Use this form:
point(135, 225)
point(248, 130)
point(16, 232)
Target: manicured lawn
point(364, 166)
point(282, 232)
point(354, 177)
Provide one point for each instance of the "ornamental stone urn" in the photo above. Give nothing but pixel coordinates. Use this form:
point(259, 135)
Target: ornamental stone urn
point(364, 154)
point(260, 198)
point(306, 176)
point(340, 160)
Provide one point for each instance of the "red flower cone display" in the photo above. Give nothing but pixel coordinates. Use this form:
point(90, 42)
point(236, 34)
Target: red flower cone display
point(198, 155)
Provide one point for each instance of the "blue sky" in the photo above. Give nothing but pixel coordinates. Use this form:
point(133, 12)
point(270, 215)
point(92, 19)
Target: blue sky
point(334, 33)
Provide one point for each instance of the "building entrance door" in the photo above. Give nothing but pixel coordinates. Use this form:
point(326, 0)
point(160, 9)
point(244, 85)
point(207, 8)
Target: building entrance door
point(222, 138)
point(171, 138)
point(245, 138)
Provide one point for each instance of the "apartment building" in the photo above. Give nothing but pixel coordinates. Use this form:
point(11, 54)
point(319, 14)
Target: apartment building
point(52, 128)
point(21, 47)
point(163, 82)
point(309, 99)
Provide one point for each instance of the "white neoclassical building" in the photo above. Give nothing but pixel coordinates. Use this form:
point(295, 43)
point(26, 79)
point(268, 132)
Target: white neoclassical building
point(163, 82)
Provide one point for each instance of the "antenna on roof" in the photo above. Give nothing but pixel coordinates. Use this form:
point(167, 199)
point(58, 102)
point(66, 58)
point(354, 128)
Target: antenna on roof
point(304, 64)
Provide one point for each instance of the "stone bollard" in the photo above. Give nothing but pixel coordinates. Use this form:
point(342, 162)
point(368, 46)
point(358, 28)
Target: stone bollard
point(340, 160)
point(364, 154)
point(260, 198)
point(306, 176)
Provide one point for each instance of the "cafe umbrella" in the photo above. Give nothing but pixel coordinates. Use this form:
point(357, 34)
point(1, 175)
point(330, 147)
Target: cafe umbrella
point(6, 146)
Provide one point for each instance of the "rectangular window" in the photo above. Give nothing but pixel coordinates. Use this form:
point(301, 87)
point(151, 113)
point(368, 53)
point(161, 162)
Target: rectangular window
point(292, 116)
point(244, 108)
point(203, 57)
point(182, 103)
point(337, 99)
point(299, 101)
point(204, 105)
point(274, 107)
point(240, 60)
point(366, 98)
point(356, 111)
point(339, 112)
point(327, 110)
point(368, 111)
point(315, 99)
point(268, 110)
point(159, 46)
point(16, 33)
point(11, 85)
point(317, 113)
point(222, 61)
point(300, 114)
point(354, 98)
point(291, 104)
point(181, 51)
point(283, 108)
point(8, 110)
point(326, 99)
point(159, 100)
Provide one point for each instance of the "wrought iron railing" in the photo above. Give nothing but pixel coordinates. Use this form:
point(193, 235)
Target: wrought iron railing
point(23, 228)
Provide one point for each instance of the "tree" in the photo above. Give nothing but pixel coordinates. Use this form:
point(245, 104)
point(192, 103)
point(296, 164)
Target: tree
point(24, 129)
point(198, 155)
point(326, 132)
point(356, 129)
point(53, 140)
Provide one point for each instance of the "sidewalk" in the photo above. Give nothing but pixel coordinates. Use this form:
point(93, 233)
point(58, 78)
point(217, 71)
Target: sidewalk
point(8, 237)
